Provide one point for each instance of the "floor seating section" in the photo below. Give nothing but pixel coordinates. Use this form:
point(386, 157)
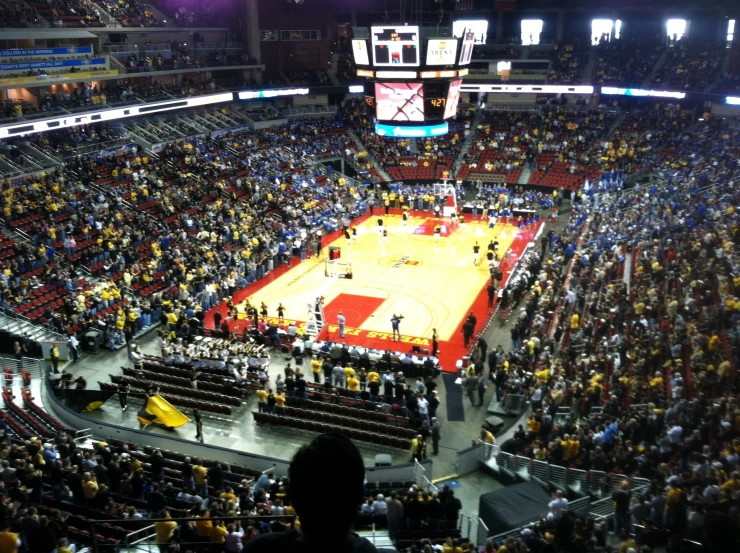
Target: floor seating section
point(333, 426)
point(183, 381)
point(140, 386)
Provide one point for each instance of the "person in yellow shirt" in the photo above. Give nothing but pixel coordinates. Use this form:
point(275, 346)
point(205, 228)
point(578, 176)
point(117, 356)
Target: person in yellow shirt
point(200, 474)
point(534, 425)
point(373, 376)
point(164, 531)
point(63, 546)
point(279, 403)
point(353, 384)
point(732, 483)
point(543, 376)
point(89, 486)
point(348, 372)
point(487, 437)
point(204, 524)
point(9, 541)
point(218, 532)
point(262, 400)
point(574, 321)
point(417, 445)
point(228, 494)
point(316, 366)
point(451, 546)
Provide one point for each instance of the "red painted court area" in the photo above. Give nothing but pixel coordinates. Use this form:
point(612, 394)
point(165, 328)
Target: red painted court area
point(356, 309)
point(428, 225)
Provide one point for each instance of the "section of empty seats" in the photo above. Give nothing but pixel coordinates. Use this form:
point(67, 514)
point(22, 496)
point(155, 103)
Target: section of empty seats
point(27, 424)
point(348, 411)
point(343, 400)
point(186, 391)
point(184, 381)
point(209, 374)
point(177, 400)
point(318, 426)
point(39, 414)
point(350, 422)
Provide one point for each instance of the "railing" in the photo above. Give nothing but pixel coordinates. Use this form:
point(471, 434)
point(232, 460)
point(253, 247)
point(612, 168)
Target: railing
point(83, 434)
point(465, 525)
point(92, 148)
point(125, 48)
point(146, 535)
point(218, 45)
point(37, 367)
point(421, 480)
point(8, 315)
point(532, 107)
point(590, 484)
point(309, 111)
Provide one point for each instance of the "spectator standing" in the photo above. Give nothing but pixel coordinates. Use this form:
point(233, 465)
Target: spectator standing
point(396, 516)
point(436, 430)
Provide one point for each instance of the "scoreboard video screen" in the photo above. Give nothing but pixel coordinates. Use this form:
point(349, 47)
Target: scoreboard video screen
point(399, 101)
point(396, 46)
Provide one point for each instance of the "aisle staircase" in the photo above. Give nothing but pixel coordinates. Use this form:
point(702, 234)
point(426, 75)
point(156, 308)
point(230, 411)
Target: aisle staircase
point(379, 538)
point(386, 177)
point(588, 71)
point(524, 175)
point(105, 16)
point(658, 64)
point(468, 142)
point(614, 126)
point(332, 71)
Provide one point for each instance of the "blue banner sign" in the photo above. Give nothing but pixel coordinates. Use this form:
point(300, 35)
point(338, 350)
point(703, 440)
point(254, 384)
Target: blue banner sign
point(50, 64)
point(18, 52)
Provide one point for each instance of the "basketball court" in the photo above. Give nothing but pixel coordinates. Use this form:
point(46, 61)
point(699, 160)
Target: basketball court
point(432, 282)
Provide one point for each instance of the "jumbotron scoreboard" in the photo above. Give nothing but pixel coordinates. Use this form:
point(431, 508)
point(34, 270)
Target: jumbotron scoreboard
point(413, 85)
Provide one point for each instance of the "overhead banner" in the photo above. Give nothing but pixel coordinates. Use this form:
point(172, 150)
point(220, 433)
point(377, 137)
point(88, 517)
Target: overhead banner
point(610, 90)
point(253, 94)
point(50, 64)
point(18, 52)
point(59, 77)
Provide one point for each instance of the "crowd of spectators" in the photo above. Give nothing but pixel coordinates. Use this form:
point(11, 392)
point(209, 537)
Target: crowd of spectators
point(193, 13)
point(691, 63)
point(728, 83)
point(346, 69)
point(69, 13)
point(15, 14)
point(625, 61)
point(131, 13)
point(173, 198)
point(308, 77)
point(182, 57)
point(568, 62)
point(648, 345)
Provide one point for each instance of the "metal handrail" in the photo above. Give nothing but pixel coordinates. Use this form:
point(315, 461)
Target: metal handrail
point(92, 148)
point(124, 48)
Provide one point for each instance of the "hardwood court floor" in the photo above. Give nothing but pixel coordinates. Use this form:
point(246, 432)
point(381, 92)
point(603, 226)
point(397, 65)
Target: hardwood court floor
point(432, 283)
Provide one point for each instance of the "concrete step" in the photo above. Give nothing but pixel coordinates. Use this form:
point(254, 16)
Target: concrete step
point(379, 538)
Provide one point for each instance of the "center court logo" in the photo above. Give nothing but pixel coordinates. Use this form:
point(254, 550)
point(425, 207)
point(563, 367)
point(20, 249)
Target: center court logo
point(405, 260)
